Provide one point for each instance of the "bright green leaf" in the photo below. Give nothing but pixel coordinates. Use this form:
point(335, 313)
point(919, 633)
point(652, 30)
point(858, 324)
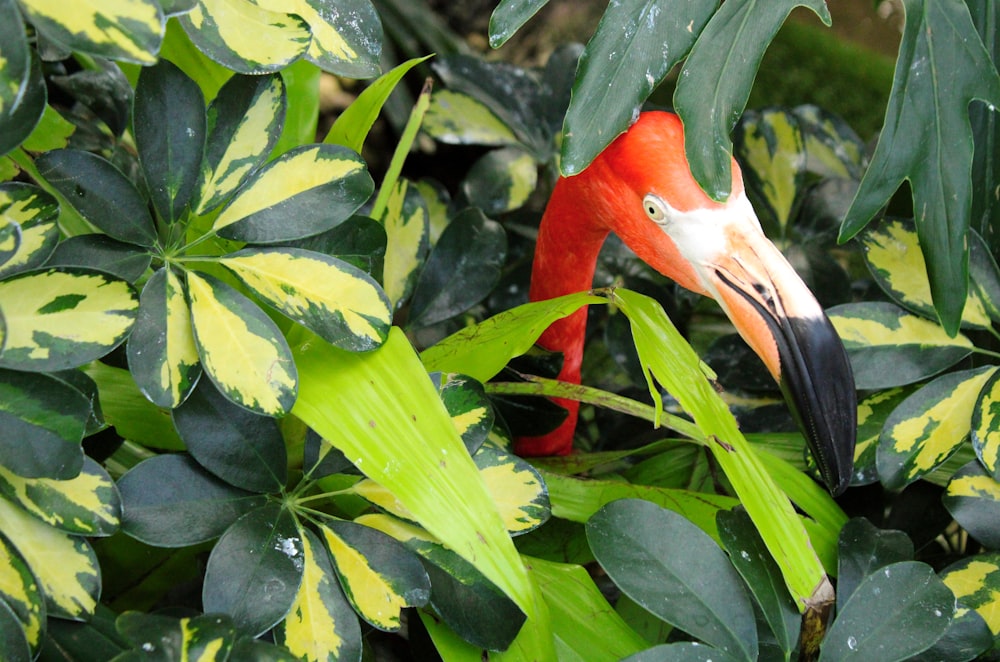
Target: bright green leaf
point(133, 416)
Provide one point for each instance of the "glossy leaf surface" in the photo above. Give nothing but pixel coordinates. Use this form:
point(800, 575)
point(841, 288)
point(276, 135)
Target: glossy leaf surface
point(23, 598)
point(99, 251)
point(986, 427)
point(864, 549)
point(32, 212)
point(973, 499)
point(406, 228)
point(975, 582)
point(469, 408)
point(459, 119)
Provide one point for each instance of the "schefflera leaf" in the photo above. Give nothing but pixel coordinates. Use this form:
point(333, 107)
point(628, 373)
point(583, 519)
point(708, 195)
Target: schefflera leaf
point(973, 499)
point(162, 354)
point(407, 230)
point(459, 119)
point(975, 582)
point(241, 348)
point(469, 408)
point(520, 494)
point(304, 192)
point(22, 594)
point(335, 300)
point(379, 575)
point(30, 213)
point(986, 426)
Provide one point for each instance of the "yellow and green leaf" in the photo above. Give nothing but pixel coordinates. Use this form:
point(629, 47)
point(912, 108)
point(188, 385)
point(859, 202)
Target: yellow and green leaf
point(87, 505)
point(321, 625)
point(873, 411)
point(771, 144)
point(407, 232)
point(437, 200)
point(162, 354)
point(457, 118)
point(335, 300)
point(973, 499)
point(34, 212)
point(518, 490)
point(927, 427)
point(986, 426)
point(129, 30)
point(501, 181)
point(469, 408)
point(240, 347)
point(61, 318)
point(975, 581)
point(832, 149)
point(891, 347)
point(21, 592)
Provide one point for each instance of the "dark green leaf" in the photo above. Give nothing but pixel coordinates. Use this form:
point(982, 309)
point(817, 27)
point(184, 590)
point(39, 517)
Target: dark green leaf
point(13, 641)
point(407, 240)
point(359, 241)
point(873, 411)
point(101, 252)
point(975, 583)
point(22, 598)
point(633, 49)
point(30, 232)
point(240, 447)
point(520, 494)
point(69, 641)
point(346, 36)
point(966, 637)
point(104, 90)
point(209, 637)
point(168, 119)
point(715, 82)
point(509, 16)
point(19, 120)
point(672, 568)
point(101, 193)
point(461, 270)
point(248, 649)
point(254, 571)
point(984, 275)
point(681, 652)
point(863, 549)
point(16, 71)
point(985, 428)
point(501, 181)
point(170, 501)
point(320, 458)
point(898, 611)
point(469, 408)
point(973, 499)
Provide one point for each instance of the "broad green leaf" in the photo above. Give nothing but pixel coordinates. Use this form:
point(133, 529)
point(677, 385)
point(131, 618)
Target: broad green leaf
point(965, 639)
point(715, 82)
point(99, 251)
point(101, 193)
point(518, 491)
point(129, 30)
point(891, 347)
point(673, 569)
point(65, 566)
point(244, 122)
point(406, 229)
point(501, 181)
point(254, 572)
point(133, 416)
point(321, 624)
point(242, 448)
point(973, 499)
point(87, 505)
point(351, 127)
point(34, 212)
point(170, 501)
point(20, 592)
point(168, 120)
point(509, 16)
point(231, 33)
point(303, 192)
point(20, 120)
point(162, 355)
point(873, 411)
point(896, 612)
point(16, 57)
point(896, 260)
point(380, 577)
point(44, 420)
point(333, 299)
point(927, 140)
point(469, 408)
point(482, 350)
point(863, 550)
point(634, 47)
point(461, 271)
point(459, 119)
point(240, 348)
point(927, 427)
point(986, 427)
point(975, 583)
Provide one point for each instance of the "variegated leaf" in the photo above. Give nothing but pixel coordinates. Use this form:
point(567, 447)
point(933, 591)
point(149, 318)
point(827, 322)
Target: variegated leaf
point(771, 148)
point(975, 581)
point(986, 426)
point(131, 413)
point(162, 354)
point(34, 212)
point(241, 348)
point(973, 499)
point(895, 259)
point(832, 148)
point(518, 490)
point(380, 577)
point(21, 120)
point(63, 317)
point(469, 408)
point(231, 33)
point(129, 30)
point(335, 300)
point(927, 427)
point(459, 119)
point(205, 638)
point(87, 505)
point(244, 122)
point(407, 231)
point(321, 625)
point(305, 191)
point(64, 565)
point(21, 592)
point(16, 55)
point(379, 496)
point(438, 201)
point(873, 410)
point(501, 181)
point(891, 347)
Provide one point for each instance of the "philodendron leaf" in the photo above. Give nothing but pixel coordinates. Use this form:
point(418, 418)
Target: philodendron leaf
point(406, 228)
point(975, 583)
point(101, 193)
point(335, 300)
point(634, 47)
point(21, 593)
point(518, 491)
point(897, 611)
point(501, 181)
point(986, 427)
point(933, 150)
point(509, 16)
point(891, 347)
point(129, 30)
point(255, 570)
point(241, 348)
point(673, 569)
point(33, 213)
point(469, 408)
point(973, 499)
point(321, 624)
point(927, 427)
point(863, 549)
point(459, 119)
point(231, 32)
point(714, 84)
point(303, 192)
point(170, 501)
point(244, 122)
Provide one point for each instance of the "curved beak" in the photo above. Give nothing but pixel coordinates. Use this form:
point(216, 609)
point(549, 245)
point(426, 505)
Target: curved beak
point(780, 319)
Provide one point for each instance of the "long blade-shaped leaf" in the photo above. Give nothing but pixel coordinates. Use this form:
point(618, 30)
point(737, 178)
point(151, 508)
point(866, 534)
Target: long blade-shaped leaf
point(508, 18)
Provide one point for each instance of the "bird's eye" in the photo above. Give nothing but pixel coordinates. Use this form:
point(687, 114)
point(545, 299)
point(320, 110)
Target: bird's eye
point(655, 208)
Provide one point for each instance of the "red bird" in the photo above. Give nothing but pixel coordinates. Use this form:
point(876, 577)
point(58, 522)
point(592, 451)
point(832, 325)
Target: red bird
point(641, 188)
